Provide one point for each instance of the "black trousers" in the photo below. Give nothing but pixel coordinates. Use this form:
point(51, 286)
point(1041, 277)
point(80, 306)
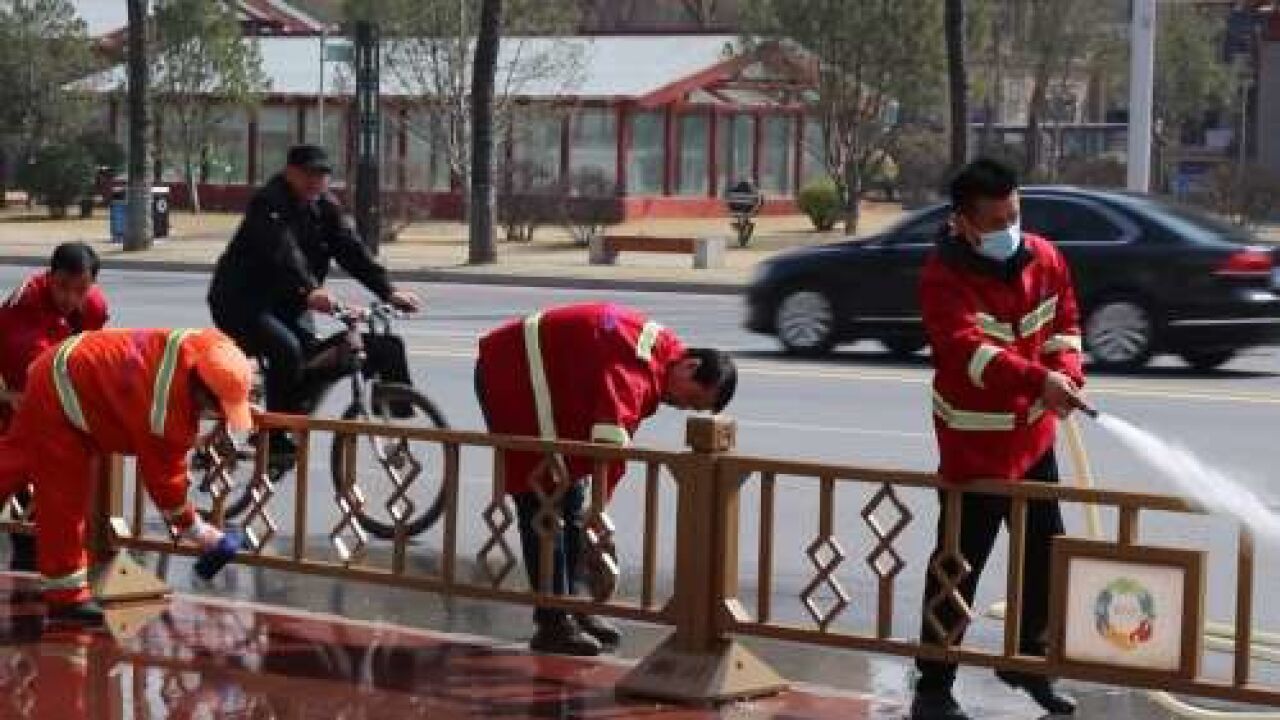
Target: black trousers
point(567, 544)
point(980, 521)
point(288, 344)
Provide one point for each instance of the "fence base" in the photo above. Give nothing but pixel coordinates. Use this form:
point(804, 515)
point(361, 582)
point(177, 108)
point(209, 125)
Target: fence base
point(727, 672)
point(125, 580)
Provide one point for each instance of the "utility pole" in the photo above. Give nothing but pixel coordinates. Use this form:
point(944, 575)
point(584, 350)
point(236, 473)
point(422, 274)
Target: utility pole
point(1142, 27)
point(369, 122)
point(137, 232)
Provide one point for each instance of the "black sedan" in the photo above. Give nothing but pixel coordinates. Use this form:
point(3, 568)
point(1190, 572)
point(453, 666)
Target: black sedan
point(1151, 277)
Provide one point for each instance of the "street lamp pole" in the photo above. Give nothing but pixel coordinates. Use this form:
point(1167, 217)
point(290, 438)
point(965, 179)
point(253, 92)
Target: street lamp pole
point(1142, 29)
point(324, 39)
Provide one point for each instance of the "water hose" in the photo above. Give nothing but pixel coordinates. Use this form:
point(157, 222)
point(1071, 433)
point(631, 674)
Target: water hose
point(1218, 636)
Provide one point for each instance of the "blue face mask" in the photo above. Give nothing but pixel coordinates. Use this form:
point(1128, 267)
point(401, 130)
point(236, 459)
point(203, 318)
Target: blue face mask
point(1001, 244)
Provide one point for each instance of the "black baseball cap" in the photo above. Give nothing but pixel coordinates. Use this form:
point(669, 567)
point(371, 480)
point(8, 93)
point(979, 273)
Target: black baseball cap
point(311, 158)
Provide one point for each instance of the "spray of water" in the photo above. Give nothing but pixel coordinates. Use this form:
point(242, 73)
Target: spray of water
point(1213, 489)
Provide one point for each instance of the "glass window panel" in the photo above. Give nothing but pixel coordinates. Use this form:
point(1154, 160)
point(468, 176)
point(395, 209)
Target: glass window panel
point(277, 132)
point(229, 150)
point(646, 162)
point(736, 151)
point(425, 154)
point(335, 137)
point(814, 162)
point(695, 131)
point(538, 139)
point(594, 138)
point(778, 152)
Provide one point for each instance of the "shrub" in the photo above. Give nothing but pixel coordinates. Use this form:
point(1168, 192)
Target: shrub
point(58, 176)
point(1248, 196)
point(591, 205)
point(820, 200)
point(529, 199)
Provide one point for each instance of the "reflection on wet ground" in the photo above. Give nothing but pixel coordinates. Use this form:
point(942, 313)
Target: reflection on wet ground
point(202, 658)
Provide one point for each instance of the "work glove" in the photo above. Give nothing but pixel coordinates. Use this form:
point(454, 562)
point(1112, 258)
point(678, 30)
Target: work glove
point(218, 548)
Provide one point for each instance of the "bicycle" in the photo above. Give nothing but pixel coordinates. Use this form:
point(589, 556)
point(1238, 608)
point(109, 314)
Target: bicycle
point(371, 399)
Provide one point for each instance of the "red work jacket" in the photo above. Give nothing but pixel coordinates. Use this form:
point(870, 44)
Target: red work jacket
point(589, 372)
point(997, 330)
point(30, 324)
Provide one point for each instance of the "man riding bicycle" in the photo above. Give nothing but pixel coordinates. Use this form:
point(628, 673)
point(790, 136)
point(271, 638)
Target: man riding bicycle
point(271, 277)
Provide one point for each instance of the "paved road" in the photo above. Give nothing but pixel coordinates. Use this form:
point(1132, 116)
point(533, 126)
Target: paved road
point(858, 408)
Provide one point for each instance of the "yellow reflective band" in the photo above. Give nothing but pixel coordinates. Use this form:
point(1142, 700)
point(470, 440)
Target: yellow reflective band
point(975, 421)
point(1062, 343)
point(995, 329)
point(1038, 318)
point(647, 340)
point(74, 581)
point(66, 389)
point(1036, 412)
point(982, 357)
point(538, 378)
point(614, 434)
point(164, 380)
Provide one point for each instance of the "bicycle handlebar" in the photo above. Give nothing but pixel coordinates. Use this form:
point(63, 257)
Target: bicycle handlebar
point(375, 312)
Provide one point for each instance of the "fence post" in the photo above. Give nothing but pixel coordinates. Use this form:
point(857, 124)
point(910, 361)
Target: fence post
point(108, 503)
point(699, 662)
point(119, 578)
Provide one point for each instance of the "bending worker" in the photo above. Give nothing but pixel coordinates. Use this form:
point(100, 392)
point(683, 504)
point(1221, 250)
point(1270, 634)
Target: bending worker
point(128, 392)
point(587, 372)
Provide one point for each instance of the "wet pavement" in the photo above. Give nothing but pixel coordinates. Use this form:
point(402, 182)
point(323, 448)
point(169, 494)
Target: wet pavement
point(205, 658)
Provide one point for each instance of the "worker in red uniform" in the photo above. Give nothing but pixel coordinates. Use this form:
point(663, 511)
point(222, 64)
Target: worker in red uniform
point(587, 372)
point(47, 308)
point(1001, 316)
point(128, 392)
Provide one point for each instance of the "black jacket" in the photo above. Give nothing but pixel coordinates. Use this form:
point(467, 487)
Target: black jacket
point(282, 251)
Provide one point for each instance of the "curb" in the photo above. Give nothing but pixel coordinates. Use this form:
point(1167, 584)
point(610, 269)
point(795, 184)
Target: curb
point(436, 276)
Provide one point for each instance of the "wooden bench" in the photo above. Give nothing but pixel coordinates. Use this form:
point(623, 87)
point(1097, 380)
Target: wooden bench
point(707, 252)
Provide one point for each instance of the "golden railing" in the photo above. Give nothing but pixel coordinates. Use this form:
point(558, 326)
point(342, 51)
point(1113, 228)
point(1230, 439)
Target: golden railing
point(707, 605)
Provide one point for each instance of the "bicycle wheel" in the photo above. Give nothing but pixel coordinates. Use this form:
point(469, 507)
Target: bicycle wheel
point(215, 459)
point(395, 454)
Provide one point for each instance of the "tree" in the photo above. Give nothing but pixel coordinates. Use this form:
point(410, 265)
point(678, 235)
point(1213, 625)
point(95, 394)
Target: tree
point(483, 77)
point(876, 65)
point(1192, 80)
point(957, 82)
point(137, 231)
point(430, 53)
point(202, 70)
point(44, 47)
point(1064, 36)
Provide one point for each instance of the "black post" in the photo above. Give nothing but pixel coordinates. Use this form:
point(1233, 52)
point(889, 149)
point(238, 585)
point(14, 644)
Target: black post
point(369, 147)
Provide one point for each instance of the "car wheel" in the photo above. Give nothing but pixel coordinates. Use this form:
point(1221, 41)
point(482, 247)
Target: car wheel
point(1207, 359)
point(903, 347)
point(1119, 334)
point(806, 322)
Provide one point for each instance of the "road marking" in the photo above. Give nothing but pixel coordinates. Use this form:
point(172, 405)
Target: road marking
point(837, 430)
point(1096, 389)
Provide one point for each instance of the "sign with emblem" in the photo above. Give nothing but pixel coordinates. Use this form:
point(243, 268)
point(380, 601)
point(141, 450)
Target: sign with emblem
point(1127, 607)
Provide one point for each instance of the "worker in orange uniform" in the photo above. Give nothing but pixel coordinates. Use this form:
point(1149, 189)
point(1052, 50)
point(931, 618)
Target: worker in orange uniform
point(47, 308)
point(129, 392)
point(589, 372)
point(1000, 313)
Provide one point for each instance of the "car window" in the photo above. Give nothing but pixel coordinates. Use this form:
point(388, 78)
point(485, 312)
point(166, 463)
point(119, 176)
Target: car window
point(1067, 221)
point(920, 229)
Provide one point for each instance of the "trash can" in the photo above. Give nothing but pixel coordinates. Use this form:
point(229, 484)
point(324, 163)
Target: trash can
point(159, 212)
point(116, 214)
